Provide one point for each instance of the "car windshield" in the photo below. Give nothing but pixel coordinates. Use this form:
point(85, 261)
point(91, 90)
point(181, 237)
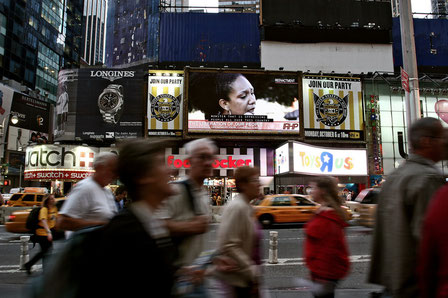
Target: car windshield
point(15, 197)
point(371, 197)
point(361, 195)
point(256, 202)
point(304, 201)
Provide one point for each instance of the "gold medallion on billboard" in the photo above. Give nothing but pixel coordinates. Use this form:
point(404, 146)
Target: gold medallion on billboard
point(331, 109)
point(165, 107)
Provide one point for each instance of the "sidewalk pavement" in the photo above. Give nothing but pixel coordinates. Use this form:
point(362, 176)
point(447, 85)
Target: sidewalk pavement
point(340, 293)
point(16, 291)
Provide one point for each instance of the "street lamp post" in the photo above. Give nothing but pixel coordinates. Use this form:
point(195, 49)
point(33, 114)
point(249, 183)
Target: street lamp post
point(409, 62)
point(4, 129)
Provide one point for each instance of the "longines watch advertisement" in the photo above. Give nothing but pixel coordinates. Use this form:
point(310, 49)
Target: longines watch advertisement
point(333, 108)
point(109, 103)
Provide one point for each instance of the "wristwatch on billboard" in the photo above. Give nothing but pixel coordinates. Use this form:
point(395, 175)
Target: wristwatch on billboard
point(110, 103)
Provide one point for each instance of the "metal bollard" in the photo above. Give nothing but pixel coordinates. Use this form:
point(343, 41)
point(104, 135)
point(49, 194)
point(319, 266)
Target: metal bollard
point(273, 247)
point(24, 256)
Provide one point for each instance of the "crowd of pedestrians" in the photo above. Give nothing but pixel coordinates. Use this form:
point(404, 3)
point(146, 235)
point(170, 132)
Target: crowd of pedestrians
point(150, 236)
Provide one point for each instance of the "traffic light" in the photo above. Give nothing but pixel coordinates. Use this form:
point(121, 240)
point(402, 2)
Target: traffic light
point(7, 182)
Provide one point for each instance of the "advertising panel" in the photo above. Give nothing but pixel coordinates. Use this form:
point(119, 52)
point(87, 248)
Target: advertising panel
point(19, 138)
point(32, 113)
point(33, 122)
point(241, 101)
point(282, 159)
point(108, 104)
point(54, 162)
point(314, 160)
point(6, 95)
point(165, 102)
point(64, 120)
point(333, 108)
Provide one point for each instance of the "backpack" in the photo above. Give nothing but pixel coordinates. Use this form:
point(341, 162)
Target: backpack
point(191, 202)
point(68, 267)
point(32, 222)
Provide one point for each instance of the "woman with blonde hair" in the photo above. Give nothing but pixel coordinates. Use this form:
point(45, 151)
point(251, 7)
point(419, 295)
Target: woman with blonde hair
point(326, 251)
point(44, 233)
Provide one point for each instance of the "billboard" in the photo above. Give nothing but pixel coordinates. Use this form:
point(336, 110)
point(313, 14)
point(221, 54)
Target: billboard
point(241, 101)
point(313, 160)
point(333, 108)
point(33, 122)
point(100, 104)
point(165, 102)
point(56, 162)
point(282, 159)
point(6, 95)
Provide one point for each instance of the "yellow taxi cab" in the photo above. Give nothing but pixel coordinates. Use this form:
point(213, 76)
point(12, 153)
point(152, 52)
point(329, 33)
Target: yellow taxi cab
point(31, 196)
point(287, 208)
point(17, 220)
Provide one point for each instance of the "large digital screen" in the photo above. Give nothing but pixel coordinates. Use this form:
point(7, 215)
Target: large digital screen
point(242, 101)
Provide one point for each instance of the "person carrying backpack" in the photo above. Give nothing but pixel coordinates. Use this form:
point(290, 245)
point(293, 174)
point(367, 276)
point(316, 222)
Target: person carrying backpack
point(187, 214)
point(43, 234)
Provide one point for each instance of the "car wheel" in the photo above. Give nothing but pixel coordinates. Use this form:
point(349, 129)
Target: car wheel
point(266, 220)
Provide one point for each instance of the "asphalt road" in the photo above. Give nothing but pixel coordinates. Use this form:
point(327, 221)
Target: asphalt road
point(279, 278)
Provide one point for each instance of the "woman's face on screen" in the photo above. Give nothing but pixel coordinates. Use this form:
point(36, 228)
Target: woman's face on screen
point(242, 99)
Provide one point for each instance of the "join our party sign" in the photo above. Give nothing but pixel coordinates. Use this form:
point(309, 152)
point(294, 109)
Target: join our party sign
point(333, 108)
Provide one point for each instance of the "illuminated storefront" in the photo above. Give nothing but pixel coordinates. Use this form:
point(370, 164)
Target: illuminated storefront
point(60, 163)
point(297, 164)
point(222, 183)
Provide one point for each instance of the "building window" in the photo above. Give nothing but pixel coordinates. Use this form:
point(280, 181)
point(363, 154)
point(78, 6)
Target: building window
point(31, 40)
point(2, 24)
point(53, 13)
point(15, 67)
point(33, 22)
point(47, 71)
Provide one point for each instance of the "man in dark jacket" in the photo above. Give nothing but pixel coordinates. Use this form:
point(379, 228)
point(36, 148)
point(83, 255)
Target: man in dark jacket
point(402, 205)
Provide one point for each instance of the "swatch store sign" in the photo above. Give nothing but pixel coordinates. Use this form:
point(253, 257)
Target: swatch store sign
point(53, 162)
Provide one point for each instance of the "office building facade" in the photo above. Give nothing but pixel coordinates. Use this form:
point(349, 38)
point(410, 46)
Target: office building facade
point(94, 19)
point(37, 39)
point(132, 31)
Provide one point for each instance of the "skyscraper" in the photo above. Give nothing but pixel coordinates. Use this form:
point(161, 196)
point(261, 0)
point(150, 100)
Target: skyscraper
point(132, 31)
point(37, 39)
point(439, 7)
point(94, 19)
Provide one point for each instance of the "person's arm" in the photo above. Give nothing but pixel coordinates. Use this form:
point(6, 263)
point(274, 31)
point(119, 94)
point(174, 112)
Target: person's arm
point(196, 225)
point(172, 208)
point(230, 241)
point(67, 223)
point(421, 190)
point(71, 216)
point(47, 229)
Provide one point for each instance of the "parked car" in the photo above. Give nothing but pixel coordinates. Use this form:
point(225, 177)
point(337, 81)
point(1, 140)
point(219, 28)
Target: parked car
point(364, 206)
point(286, 208)
point(17, 220)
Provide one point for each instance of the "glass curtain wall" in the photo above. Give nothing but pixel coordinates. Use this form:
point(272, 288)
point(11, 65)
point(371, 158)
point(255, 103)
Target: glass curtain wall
point(392, 114)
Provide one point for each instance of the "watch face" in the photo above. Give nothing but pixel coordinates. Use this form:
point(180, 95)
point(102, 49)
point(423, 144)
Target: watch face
point(108, 101)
